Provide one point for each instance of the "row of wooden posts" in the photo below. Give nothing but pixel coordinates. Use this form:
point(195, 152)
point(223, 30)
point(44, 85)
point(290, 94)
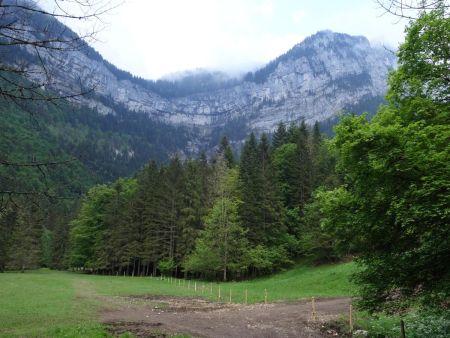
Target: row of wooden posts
point(204, 288)
point(195, 287)
point(313, 301)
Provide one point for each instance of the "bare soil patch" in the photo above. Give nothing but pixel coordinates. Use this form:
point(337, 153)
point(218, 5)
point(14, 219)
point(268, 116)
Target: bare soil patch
point(161, 316)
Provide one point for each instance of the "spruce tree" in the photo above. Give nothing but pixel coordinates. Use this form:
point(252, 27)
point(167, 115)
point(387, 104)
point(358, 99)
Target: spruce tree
point(270, 202)
point(316, 135)
point(174, 181)
point(24, 247)
point(280, 136)
point(250, 181)
point(225, 149)
point(8, 217)
point(194, 206)
point(292, 133)
point(125, 233)
point(303, 167)
point(153, 214)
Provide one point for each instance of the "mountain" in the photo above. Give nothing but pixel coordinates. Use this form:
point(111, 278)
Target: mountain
point(326, 73)
point(323, 75)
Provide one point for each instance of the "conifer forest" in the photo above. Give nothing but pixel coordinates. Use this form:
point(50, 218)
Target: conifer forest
point(101, 203)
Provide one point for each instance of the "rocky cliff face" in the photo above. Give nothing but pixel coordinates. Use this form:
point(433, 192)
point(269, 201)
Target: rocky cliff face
point(326, 73)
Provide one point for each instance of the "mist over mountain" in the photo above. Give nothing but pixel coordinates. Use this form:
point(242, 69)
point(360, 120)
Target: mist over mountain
point(324, 75)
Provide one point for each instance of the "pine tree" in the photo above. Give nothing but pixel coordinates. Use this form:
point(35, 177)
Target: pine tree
point(250, 180)
point(293, 133)
point(225, 149)
point(46, 247)
point(316, 135)
point(8, 217)
point(285, 162)
point(303, 167)
point(152, 213)
point(173, 178)
point(122, 240)
point(194, 206)
point(24, 246)
point(280, 136)
point(270, 202)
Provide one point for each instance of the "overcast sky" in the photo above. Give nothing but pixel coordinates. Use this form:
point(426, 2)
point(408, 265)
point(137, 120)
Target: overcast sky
point(152, 38)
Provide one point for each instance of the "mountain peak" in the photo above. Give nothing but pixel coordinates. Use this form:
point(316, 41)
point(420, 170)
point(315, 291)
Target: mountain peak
point(326, 73)
point(327, 37)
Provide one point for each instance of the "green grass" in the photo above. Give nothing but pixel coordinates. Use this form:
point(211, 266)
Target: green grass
point(51, 303)
point(297, 283)
point(44, 303)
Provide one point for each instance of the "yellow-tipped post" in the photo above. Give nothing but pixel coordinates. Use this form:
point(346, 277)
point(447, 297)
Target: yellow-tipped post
point(350, 318)
point(313, 309)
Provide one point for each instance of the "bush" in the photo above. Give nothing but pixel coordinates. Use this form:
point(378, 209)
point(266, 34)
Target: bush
point(430, 325)
point(417, 325)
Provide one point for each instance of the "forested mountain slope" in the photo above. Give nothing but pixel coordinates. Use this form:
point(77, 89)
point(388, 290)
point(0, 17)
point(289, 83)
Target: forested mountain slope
point(323, 75)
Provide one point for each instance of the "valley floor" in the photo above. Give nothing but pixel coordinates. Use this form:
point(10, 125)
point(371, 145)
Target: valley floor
point(47, 303)
point(158, 316)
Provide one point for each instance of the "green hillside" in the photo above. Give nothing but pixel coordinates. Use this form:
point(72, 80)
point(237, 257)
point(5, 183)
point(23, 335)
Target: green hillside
point(85, 148)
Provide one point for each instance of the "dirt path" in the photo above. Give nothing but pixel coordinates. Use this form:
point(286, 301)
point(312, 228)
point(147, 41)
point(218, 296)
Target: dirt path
point(157, 316)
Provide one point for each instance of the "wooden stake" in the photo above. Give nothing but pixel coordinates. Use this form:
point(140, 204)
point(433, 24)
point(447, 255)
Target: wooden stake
point(351, 319)
point(265, 296)
point(402, 329)
point(313, 305)
point(219, 294)
point(211, 289)
point(230, 297)
point(195, 286)
point(189, 284)
point(246, 296)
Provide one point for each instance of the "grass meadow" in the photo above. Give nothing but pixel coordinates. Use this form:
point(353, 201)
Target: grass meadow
point(65, 304)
